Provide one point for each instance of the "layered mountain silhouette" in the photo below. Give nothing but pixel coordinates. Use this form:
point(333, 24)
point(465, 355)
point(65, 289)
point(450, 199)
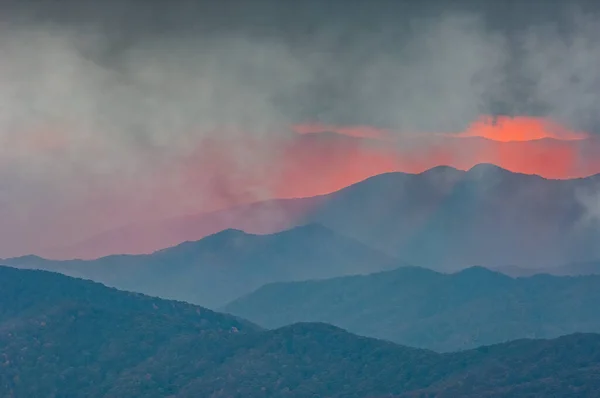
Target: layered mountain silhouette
point(61, 336)
point(422, 308)
point(260, 217)
point(444, 218)
point(226, 265)
point(448, 219)
point(326, 162)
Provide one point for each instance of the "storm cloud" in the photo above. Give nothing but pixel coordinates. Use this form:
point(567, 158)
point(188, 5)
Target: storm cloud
point(102, 102)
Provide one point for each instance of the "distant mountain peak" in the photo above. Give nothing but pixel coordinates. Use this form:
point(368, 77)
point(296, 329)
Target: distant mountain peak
point(479, 272)
point(221, 237)
point(310, 327)
point(486, 168)
point(24, 260)
point(442, 169)
point(312, 227)
point(230, 232)
point(230, 235)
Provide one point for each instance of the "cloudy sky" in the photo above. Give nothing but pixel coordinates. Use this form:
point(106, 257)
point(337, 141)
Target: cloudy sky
point(118, 112)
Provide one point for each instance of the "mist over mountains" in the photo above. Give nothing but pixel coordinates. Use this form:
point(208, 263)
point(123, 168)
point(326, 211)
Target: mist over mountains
point(260, 217)
point(294, 199)
point(444, 218)
point(112, 109)
point(315, 164)
point(448, 219)
point(226, 265)
point(86, 338)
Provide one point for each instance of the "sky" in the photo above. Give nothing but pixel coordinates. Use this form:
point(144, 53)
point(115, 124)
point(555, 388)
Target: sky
point(120, 112)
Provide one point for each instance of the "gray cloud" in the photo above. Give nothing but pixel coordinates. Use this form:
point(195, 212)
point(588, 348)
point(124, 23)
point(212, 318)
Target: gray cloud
point(560, 62)
point(105, 97)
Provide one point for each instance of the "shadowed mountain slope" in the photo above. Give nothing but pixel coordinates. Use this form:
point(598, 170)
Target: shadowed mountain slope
point(443, 218)
point(423, 308)
point(226, 265)
point(67, 337)
point(448, 219)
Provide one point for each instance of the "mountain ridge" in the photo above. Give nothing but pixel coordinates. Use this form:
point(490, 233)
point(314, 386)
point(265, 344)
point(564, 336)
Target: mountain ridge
point(268, 216)
point(449, 218)
point(227, 264)
point(428, 309)
point(82, 338)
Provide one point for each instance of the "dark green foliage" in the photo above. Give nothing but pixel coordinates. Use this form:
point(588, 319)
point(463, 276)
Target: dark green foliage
point(423, 308)
point(64, 337)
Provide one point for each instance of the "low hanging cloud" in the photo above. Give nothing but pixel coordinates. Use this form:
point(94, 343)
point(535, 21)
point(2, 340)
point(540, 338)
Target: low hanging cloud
point(106, 123)
point(558, 63)
point(154, 98)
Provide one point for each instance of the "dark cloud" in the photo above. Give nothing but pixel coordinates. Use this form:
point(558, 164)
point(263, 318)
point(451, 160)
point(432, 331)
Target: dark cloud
point(101, 90)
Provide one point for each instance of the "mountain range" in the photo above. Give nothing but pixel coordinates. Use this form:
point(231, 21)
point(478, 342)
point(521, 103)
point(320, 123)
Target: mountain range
point(422, 308)
point(65, 337)
point(448, 219)
point(444, 218)
point(226, 265)
point(259, 218)
point(326, 162)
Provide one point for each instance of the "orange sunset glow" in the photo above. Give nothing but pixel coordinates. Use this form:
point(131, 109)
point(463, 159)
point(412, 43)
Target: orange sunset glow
point(351, 131)
point(321, 159)
point(222, 173)
point(499, 128)
point(507, 129)
point(520, 144)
